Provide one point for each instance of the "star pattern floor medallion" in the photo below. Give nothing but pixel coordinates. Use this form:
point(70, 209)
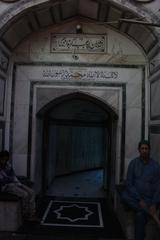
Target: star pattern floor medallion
point(73, 214)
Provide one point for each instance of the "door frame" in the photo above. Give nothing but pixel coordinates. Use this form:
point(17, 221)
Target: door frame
point(109, 169)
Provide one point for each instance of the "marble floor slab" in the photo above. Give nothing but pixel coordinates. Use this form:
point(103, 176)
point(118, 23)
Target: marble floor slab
point(81, 184)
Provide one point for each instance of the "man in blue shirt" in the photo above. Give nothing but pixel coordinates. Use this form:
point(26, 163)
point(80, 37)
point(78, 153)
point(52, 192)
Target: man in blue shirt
point(142, 191)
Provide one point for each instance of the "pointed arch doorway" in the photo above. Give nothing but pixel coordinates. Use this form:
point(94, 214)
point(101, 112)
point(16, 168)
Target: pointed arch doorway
point(79, 134)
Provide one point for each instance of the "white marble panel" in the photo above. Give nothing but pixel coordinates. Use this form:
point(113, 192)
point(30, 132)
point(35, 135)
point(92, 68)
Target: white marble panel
point(155, 99)
point(118, 43)
point(47, 94)
point(79, 73)
point(22, 73)
point(22, 92)
point(20, 164)
point(134, 75)
point(120, 49)
point(133, 131)
point(40, 44)
point(108, 95)
point(155, 146)
point(134, 95)
point(2, 94)
point(20, 129)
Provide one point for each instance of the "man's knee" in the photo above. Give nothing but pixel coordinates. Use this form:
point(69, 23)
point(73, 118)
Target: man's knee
point(25, 195)
point(31, 193)
point(29, 190)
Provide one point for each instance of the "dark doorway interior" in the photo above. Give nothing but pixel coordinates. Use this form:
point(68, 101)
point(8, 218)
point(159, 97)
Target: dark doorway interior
point(77, 138)
point(76, 148)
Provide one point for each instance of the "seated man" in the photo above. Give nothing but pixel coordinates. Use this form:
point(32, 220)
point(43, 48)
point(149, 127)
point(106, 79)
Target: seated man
point(142, 192)
point(10, 184)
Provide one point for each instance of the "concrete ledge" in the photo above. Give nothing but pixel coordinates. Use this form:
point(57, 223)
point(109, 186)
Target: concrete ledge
point(10, 215)
point(10, 212)
point(10, 209)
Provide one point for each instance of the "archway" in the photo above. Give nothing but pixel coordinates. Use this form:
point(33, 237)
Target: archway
point(78, 134)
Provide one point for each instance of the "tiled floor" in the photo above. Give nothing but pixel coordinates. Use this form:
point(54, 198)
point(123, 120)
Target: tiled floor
point(82, 184)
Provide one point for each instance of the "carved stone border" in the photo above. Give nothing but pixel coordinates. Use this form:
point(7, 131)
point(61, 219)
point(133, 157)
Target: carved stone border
point(2, 97)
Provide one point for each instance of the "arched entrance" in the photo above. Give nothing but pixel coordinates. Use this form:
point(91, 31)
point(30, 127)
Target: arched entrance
point(78, 135)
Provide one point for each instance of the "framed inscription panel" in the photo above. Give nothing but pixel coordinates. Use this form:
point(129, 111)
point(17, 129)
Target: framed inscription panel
point(69, 43)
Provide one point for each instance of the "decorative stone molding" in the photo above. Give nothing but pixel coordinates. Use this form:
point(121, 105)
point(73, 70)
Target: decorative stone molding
point(4, 59)
point(9, 1)
point(143, 1)
point(2, 95)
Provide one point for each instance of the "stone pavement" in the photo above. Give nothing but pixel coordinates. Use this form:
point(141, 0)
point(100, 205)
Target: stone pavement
point(14, 236)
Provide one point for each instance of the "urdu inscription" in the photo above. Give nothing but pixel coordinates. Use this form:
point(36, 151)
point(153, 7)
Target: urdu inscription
point(88, 43)
point(67, 74)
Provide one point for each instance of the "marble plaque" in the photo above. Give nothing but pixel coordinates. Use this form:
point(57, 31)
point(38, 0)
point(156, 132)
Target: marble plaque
point(70, 43)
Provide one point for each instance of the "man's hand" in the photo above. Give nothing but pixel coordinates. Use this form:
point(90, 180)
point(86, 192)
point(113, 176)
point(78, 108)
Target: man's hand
point(19, 184)
point(142, 204)
point(153, 213)
point(152, 210)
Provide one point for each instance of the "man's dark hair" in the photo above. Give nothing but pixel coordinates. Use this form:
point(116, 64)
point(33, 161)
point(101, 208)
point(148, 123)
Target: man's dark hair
point(4, 153)
point(145, 142)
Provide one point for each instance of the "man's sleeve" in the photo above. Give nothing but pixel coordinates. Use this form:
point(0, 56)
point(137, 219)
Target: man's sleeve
point(131, 188)
point(156, 195)
point(4, 179)
point(9, 174)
